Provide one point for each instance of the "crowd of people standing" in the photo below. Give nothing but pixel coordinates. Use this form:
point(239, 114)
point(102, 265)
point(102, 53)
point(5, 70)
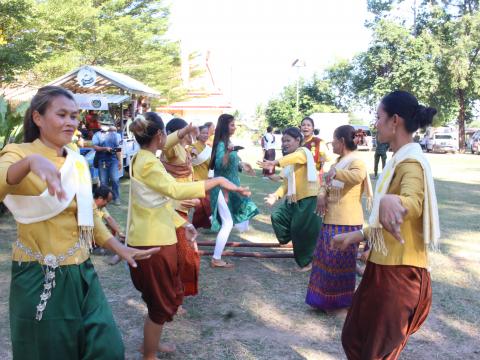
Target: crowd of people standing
point(54, 284)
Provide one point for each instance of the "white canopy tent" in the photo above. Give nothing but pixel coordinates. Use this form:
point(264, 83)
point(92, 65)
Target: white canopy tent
point(97, 80)
point(99, 101)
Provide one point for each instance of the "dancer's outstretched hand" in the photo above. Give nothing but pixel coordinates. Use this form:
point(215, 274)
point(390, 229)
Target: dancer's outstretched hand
point(392, 213)
point(45, 170)
point(130, 254)
point(190, 232)
point(322, 202)
point(244, 191)
point(229, 186)
point(330, 175)
point(343, 241)
point(190, 129)
point(189, 203)
point(248, 169)
point(266, 164)
point(271, 199)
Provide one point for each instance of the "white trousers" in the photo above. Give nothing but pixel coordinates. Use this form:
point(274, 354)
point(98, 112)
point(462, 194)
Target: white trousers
point(227, 226)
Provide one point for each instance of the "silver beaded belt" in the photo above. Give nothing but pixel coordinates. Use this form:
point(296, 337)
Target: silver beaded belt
point(51, 262)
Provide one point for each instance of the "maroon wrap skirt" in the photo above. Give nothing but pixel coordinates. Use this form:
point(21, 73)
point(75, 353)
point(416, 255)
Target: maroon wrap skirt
point(158, 279)
point(390, 304)
point(188, 261)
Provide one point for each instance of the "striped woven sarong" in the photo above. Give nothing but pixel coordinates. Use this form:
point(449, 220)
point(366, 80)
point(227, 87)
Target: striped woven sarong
point(332, 281)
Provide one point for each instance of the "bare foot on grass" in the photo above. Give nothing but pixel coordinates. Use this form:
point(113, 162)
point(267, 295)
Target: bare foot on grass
point(181, 311)
point(166, 348)
point(305, 268)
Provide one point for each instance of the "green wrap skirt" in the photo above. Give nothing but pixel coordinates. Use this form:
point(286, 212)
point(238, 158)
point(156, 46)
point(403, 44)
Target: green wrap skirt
point(77, 322)
point(298, 223)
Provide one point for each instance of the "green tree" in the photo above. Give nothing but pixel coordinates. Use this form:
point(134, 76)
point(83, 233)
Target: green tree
point(18, 45)
point(11, 122)
point(314, 96)
point(127, 36)
point(434, 54)
point(456, 26)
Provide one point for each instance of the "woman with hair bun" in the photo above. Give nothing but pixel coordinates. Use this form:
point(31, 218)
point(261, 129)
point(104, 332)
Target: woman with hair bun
point(332, 282)
point(394, 297)
point(152, 221)
point(295, 219)
point(178, 163)
point(57, 307)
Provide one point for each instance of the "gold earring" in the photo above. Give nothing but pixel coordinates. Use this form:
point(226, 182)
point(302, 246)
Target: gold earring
point(394, 130)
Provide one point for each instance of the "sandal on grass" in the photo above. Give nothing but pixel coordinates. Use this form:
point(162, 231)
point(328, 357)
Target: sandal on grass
point(220, 264)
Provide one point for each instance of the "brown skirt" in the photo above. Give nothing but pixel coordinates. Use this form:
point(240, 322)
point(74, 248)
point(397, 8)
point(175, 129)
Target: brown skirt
point(201, 216)
point(270, 156)
point(188, 262)
point(391, 303)
point(158, 279)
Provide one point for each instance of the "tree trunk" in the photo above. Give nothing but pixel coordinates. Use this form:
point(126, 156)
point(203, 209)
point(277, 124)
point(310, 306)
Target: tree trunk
point(461, 120)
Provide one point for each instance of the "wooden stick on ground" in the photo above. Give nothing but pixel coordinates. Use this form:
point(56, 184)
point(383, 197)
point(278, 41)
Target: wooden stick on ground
point(260, 255)
point(241, 244)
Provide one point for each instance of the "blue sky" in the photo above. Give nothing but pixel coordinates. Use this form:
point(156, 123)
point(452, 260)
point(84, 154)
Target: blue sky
point(254, 42)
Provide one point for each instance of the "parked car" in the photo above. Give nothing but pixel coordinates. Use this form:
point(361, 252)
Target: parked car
point(442, 142)
point(474, 143)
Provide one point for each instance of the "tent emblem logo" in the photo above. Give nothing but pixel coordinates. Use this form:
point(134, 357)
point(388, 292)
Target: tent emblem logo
point(86, 77)
point(96, 103)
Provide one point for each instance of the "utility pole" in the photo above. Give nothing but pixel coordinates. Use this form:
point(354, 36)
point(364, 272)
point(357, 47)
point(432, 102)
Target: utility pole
point(298, 64)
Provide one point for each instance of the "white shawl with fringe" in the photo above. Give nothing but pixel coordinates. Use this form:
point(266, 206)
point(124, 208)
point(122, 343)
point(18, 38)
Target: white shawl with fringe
point(431, 223)
point(337, 186)
point(203, 156)
point(289, 173)
point(76, 182)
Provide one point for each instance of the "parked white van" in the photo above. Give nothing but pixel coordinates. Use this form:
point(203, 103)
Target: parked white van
point(442, 142)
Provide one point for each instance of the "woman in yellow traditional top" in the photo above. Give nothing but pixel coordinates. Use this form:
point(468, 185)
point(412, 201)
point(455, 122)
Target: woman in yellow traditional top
point(178, 163)
point(152, 221)
point(394, 297)
point(314, 144)
point(201, 154)
point(57, 307)
point(295, 219)
point(332, 281)
point(211, 133)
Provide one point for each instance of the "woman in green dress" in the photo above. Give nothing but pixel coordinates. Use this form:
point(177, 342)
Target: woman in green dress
point(228, 208)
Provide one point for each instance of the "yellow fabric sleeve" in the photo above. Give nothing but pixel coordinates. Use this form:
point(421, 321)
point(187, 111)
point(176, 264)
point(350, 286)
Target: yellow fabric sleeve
point(100, 231)
point(156, 177)
point(354, 175)
point(412, 188)
point(296, 158)
point(172, 140)
point(9, 156)
point(105, 214)
point(282, 190)
point(171, 153)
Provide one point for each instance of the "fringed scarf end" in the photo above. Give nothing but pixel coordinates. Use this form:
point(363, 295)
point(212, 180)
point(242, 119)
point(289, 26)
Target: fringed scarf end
point(376, 241)
point(369, 204)
point(292, 198)
point(86, 237)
